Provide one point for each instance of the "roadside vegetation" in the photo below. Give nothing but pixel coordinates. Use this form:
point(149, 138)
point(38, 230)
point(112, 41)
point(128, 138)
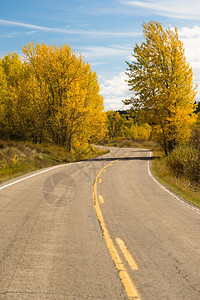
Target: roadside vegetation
point(180, 171)
point(17, 158)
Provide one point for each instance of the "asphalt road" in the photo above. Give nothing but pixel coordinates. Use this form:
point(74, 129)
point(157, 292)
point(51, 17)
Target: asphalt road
point(99, 229)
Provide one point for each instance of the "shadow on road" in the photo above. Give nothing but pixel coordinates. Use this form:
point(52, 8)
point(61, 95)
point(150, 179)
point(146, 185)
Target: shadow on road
point(123, 158)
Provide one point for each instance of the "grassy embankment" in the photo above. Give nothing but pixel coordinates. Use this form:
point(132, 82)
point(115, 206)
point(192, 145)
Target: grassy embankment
point(180, 185)
point(17, 158)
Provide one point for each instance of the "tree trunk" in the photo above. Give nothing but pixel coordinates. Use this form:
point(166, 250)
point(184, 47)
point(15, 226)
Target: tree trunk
point(69, 143)
point(165, 147)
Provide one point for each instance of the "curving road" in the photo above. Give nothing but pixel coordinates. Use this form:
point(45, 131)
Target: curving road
point(98, 229)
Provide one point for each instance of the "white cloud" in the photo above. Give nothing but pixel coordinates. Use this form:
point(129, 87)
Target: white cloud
point(72, 31)
point(116, 86)
point(114, 91)
point(6, 36)
point(15, 34)
point(98, 63)
point(188, 32)
point(99, 51)
point(180, 9)
point(116, 104)
point(190, 37)
point(130, 58)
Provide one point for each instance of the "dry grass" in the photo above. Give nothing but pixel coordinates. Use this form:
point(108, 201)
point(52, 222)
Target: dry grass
point(180, 186)
point(17, 158)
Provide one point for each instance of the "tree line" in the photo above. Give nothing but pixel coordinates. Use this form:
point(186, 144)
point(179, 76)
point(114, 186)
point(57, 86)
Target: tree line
point(125, 124)
point(50, 95)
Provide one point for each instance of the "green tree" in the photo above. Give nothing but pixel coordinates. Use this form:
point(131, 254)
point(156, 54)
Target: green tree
point(162, 82)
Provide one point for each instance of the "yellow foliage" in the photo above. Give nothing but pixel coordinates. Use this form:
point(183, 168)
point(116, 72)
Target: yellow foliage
point(125, 126)
point(4, 163)
point(140, 132)
point(163, 84)
point(15, 159)
point(114, 123)
point(51, 95)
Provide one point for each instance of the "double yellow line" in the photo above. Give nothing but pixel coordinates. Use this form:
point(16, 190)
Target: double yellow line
point(129, 286)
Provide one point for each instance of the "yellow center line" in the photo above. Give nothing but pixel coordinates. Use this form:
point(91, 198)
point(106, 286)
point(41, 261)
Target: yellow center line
point(129, 286)
point(127, 254)
point(101, 199)
point(100, 180)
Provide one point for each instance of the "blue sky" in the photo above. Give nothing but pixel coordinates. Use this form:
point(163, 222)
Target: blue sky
point(104, 31)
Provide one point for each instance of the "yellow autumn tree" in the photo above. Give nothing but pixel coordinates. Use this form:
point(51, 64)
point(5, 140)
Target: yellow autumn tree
point(138, 132)
point(3, 96)
point(162, 81)
point(68, 92)
point(16, 105)
point(114, 124)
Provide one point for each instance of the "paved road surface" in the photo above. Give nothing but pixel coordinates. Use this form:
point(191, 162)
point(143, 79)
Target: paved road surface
point(99, 229)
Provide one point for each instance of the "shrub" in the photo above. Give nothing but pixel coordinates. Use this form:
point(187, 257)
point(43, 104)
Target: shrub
point(185, 162)
point(195, 138)
point(175, 162)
